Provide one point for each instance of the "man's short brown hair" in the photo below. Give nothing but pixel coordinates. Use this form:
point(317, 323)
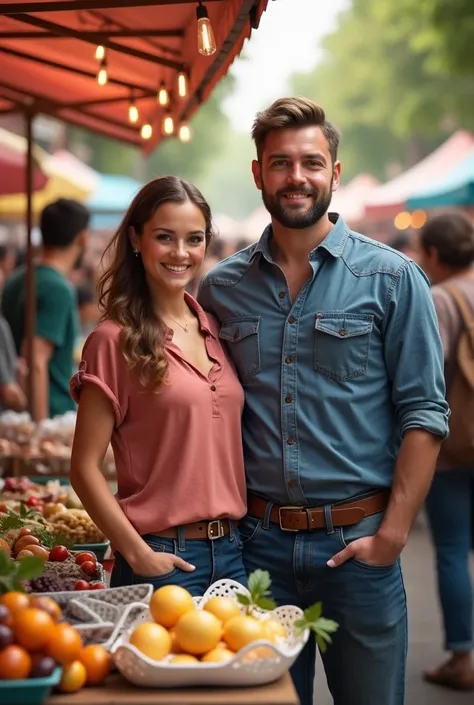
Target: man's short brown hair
point(451, 234)
point(287, 113)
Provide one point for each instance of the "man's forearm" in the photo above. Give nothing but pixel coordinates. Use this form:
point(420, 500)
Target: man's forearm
point(413, 475)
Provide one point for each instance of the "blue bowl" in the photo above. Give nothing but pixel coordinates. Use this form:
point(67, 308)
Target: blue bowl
point(31, 691)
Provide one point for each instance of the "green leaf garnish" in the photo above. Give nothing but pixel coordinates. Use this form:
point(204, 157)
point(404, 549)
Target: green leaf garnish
point(321, 626)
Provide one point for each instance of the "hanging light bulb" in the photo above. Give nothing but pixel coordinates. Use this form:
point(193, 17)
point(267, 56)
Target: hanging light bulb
point(100, 52)
point(146, 131)
point(184, 132)
point(168, 125)
point(182, 85)
point(206, 40)
point(102, 76)
point(133, 112)
point(163, 95)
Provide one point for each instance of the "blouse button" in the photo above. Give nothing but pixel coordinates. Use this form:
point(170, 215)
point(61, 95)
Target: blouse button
point(213, 388)
point(281, 295)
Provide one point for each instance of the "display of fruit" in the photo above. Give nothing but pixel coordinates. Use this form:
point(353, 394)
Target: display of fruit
point(183, 633)
point(33, 642)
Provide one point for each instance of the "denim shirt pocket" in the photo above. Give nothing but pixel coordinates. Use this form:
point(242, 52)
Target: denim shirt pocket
point(242, 338)
point(342, 344)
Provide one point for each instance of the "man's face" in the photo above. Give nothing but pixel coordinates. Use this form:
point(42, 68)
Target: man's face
point(296, 176)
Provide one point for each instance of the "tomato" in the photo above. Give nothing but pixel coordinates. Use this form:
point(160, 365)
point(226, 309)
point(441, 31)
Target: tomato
point(82, 585)
point(89, 567)
point(15, 663)
point(85, 556)
point(32, 628)
point(59, 554)
point(33, 501)
point(98, 586)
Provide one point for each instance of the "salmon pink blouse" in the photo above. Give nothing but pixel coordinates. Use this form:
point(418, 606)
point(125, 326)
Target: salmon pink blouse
point(178, 451)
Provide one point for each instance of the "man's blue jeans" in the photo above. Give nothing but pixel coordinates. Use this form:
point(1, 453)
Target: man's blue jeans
point(449, 508)
point(365, 664)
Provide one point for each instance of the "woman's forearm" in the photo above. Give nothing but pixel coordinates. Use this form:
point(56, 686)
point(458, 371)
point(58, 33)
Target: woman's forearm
point(99, 502)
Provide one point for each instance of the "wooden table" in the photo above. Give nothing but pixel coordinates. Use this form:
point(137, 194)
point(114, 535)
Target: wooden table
point(117, 691)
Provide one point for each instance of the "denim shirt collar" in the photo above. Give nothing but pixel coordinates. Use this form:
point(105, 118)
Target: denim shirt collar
point(334, 242)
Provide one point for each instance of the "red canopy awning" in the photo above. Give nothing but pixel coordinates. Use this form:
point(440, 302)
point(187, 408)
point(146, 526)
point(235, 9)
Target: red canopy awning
point(47, 58)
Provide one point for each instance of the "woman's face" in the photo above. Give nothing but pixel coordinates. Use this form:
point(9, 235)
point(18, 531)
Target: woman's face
point(172, 246)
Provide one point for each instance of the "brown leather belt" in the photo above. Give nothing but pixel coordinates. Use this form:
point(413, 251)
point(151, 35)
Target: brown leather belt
point(212, 530)
point(290, 518)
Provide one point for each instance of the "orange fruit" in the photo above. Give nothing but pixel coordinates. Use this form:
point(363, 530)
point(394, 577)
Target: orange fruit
point(48, 605)
point(169, 603)
point(15, 601)
point(15, 663)
point(183, 659)
point(64, 644)
point(260, 652)
point(97, 663)
point(218, 655)
point(5, 547)
point(224, 608)
point(198, 632)
point(73, 678)
point(273, 629)
point(32, 628)
point(24, 542)
point(175, 647)
point(240, 631)
point(152, 640)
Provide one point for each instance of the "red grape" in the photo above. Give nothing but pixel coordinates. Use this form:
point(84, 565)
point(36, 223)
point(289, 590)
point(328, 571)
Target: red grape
point(6, 636)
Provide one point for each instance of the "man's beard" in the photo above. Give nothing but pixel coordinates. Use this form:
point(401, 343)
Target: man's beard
point(296, 218)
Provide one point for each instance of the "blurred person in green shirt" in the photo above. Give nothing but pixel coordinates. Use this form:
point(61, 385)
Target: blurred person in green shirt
point(64, 225)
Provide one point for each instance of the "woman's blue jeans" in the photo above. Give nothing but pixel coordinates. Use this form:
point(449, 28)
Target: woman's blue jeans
point(214, 560)
point(449, 508)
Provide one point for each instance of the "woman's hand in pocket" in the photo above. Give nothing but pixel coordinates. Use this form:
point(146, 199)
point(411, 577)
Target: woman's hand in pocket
point(152, 564)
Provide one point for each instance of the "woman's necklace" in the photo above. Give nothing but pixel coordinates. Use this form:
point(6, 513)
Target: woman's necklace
point(185, 327)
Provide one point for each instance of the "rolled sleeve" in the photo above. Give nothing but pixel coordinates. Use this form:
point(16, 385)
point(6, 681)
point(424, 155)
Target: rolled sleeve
point(414, 355)
point(103, 366)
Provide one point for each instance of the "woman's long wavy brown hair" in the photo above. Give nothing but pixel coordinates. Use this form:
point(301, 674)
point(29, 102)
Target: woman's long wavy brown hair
point(124, 296)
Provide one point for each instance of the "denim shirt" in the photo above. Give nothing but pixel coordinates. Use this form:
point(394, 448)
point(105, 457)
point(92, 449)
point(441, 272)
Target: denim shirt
point(334, 379)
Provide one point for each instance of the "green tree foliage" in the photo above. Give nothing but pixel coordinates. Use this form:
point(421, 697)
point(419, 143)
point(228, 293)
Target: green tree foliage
point(386, 80)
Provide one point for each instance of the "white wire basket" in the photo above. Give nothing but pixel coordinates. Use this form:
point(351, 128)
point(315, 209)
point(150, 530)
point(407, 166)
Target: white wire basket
point(247, 668)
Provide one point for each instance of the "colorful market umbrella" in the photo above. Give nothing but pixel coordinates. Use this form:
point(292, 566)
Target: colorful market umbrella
point(13, 165)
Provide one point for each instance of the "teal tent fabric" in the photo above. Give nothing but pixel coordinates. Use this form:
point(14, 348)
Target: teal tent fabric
point(110, 200)
point(456, 188)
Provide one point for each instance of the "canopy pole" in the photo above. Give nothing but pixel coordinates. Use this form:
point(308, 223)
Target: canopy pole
point(30, 307)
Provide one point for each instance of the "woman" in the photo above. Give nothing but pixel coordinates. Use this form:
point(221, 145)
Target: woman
point(154, 380)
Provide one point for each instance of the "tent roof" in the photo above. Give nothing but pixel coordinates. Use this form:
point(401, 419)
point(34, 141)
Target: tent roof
point(47, 54)
point(454, 189)
point(349, 200)
point(390, 198)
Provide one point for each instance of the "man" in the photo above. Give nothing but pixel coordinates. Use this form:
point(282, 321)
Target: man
point(335, 340)
point(446, 253)
point(63, 227)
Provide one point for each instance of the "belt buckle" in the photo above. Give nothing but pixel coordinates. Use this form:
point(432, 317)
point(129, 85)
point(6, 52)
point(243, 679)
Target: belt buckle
point(293, 531)
point(210, 530)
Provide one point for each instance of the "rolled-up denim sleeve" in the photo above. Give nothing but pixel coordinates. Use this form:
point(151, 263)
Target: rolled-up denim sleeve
point(414, 354)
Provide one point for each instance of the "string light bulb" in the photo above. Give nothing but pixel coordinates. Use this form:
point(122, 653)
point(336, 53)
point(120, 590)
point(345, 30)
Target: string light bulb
point(133, 114)
point(146, 131)
point(102, 76)
point(182, 85)
point(168, 125)
point(184, 133)
point(163, 95)
point(100, 52)
point(206, 40)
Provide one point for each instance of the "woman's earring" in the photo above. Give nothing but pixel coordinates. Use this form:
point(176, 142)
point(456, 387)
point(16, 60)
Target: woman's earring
point(136, 253)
